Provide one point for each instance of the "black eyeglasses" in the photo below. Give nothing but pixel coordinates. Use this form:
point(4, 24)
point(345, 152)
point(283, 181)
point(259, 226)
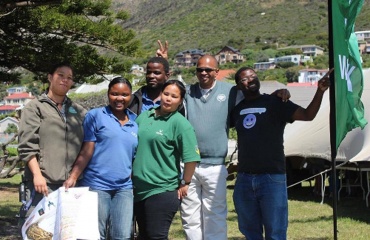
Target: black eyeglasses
point(248, 78)
point(207, 70)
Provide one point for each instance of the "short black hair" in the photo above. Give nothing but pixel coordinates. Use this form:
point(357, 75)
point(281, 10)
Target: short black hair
point(119, 80)
point(242, 69)
point(162, 61)
point(178, 83)
point(54, 67)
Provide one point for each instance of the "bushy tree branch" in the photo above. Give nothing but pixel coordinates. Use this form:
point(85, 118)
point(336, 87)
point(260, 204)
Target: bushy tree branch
point(8, 163)
point(76, 31)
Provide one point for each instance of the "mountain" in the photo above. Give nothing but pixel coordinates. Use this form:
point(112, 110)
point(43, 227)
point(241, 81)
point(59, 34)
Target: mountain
point(212, 24)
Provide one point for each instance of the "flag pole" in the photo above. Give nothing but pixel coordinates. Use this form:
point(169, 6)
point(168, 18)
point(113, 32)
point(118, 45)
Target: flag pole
point(332, 119)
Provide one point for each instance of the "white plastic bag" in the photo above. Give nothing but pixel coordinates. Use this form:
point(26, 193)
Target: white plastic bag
point(64, 216)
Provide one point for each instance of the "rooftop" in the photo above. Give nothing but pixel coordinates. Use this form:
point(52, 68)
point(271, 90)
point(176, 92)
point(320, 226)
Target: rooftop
point(19, 96)
point(223, 74)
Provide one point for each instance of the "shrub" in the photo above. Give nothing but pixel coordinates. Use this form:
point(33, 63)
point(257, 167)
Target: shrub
point(12, 151)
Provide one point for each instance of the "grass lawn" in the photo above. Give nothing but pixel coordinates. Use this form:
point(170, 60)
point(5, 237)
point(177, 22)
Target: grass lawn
point(308, 219)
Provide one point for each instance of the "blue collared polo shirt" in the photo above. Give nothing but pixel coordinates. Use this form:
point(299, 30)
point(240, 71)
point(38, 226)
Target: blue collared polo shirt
point(148, 103)
point(115, 147)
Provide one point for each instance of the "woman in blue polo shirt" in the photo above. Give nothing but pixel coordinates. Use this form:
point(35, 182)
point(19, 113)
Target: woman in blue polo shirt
point(110, 141)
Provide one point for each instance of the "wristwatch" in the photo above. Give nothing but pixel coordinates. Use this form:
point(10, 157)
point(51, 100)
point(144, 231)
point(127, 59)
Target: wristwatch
point(183, 182)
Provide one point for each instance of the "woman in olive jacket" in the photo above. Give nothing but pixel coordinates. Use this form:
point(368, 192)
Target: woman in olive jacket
point(50, 137)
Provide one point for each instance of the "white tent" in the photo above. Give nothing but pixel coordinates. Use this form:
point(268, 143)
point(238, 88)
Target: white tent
point(312, 139)
point(89, 88)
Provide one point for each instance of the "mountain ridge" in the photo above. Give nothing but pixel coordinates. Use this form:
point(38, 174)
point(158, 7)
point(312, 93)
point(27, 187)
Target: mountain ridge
point(212, 24)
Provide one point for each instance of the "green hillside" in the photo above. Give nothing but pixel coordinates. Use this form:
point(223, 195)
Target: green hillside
point(211, 24)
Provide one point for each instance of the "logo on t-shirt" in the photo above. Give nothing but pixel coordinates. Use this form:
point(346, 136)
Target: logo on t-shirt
point(250, 120)
point(221, 97)
point(160, 132)
point(197, 149)
point(72, 110)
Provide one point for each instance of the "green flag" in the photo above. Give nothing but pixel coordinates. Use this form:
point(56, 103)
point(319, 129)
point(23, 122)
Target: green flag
point(347, 68)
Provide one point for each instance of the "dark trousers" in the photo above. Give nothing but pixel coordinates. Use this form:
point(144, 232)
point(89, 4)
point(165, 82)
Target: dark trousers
point(154, 215)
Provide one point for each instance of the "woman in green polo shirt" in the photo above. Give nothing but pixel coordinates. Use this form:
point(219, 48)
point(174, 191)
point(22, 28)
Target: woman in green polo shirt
point(165, 139)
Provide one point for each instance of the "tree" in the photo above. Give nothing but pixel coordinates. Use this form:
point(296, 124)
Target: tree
point(277, 74)
point(366, 61)
point(37, 34)
point(12, 128)
point(5, 5)
point(292, 73)
point(288, 51)
point(76, 31)
point(321, 61)
point(285, 64)
point(8, 162)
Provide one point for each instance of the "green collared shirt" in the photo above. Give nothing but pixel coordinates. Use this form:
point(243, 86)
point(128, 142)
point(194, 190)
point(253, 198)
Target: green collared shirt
point(164, 141)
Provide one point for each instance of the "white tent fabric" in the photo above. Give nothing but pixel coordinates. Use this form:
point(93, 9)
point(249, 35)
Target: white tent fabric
point(361, 139)
point(88, 88)
point(312, 139)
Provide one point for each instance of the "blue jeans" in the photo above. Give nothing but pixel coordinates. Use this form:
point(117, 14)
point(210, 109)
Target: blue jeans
point(261, 202)
point(116, 210)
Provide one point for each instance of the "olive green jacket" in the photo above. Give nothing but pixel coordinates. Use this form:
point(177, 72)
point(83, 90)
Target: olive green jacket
point(54, 141)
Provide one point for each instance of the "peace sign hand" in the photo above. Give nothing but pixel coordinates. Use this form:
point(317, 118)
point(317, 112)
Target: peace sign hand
point(163, 50)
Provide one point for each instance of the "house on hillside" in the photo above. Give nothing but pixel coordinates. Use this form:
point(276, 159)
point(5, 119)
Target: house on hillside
point(260, 66)
point(311, 75)
point(18, 98)
point(18, 89)
point(137, 70)
point(271, 64)
point(296, 59)
point(15, 101)
point(363, 38)
point(312, 50)
point(363, 47)
point(188, 58)
point(7, 109)
point(5, 137)
point(307, 50)
point(6, 121)
point(229, 54)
